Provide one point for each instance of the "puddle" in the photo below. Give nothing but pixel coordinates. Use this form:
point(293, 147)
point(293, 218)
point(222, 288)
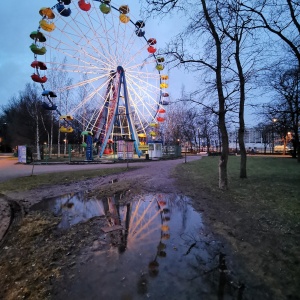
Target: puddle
point(75, 208)
point(158, 250)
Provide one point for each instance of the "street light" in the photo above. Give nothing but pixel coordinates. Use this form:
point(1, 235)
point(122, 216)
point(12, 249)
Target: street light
point(274, 120)
point(199, 140)
point(236, 140)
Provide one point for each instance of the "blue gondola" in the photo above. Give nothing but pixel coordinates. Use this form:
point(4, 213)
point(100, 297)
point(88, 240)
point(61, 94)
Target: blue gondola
point(49, 93)
point(65, 12)
point(49, 107)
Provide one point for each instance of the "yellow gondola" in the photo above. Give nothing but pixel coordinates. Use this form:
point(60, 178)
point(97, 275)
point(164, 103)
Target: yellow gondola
point(66, 117)
point(64, 129)
point(124, 19)
point(159, 67)
point(47, 26)
point(164, 85)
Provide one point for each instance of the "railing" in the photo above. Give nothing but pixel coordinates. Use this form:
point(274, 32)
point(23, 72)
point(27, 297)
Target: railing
point(75, 152)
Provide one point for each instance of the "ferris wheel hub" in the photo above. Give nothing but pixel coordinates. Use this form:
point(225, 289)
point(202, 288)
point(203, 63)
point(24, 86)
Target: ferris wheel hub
point(120, 69)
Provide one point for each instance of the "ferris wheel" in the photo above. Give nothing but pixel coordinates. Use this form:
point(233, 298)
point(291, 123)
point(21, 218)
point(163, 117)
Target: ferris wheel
point(105, 76)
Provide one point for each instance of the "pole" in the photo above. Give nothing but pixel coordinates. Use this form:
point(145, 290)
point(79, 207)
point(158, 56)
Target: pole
point(127, 154)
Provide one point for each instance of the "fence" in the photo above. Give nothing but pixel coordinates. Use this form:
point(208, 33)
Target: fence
point(77, 152)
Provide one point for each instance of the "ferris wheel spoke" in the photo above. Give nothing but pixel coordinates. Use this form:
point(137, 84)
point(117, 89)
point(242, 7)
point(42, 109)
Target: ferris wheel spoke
point(89, 97)
point(145, 88)
point(148, 112)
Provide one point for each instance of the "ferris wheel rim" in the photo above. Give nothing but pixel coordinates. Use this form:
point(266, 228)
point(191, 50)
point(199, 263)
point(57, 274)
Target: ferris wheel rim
point(131, 83)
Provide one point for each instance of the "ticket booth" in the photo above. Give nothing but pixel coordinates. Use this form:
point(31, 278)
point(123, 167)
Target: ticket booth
point(125, 149)
point(155, 150)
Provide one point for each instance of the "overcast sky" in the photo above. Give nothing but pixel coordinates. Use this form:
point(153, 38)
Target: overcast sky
point(20, 18)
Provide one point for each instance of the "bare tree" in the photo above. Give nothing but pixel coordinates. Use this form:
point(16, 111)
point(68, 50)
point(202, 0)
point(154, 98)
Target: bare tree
point(281, 19)
point(285, 107)
point(59, 82)
point(203, 27)
point(234, 24)
point(26, 118)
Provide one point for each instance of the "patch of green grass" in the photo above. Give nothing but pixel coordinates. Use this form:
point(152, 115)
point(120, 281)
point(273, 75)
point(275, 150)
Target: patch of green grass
point(31, 182)
point(273, 183)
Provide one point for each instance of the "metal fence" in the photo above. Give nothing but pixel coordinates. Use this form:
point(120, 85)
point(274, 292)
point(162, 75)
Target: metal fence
point(72, 152)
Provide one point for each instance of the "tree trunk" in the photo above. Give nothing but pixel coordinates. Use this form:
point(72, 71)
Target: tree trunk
point(37, 138)
point(51, 136)
point(223, 180)
point(243, 163)
point(58, 140)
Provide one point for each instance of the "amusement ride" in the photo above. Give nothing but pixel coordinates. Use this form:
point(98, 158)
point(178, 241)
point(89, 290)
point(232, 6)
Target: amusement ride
point(116, 88)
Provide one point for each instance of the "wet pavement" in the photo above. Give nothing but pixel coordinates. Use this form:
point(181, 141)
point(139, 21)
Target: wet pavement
point(157, 249)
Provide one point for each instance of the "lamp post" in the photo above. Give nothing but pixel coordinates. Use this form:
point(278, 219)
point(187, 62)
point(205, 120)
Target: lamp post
point(274, 120)
point(236, 141)
point(199, 140)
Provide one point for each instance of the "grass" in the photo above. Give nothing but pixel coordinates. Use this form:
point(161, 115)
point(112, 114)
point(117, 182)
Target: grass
point(273, 183)
point(31, 182)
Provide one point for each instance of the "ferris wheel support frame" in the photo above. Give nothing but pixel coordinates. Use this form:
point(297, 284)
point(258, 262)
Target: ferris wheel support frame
point(128, 114)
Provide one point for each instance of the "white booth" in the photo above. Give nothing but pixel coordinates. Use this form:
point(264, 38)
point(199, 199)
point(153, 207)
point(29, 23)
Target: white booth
point(155, 150)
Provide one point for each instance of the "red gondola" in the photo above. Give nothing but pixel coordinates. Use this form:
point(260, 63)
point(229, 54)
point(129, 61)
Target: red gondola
point(85, 6)
point(160, 119)
point(151, 49)
point(161, 111)
point(39, 65)
point(37, 78)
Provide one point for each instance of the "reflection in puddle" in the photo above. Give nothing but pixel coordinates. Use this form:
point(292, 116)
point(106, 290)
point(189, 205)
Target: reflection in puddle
point(158, 250)
point(72, 208)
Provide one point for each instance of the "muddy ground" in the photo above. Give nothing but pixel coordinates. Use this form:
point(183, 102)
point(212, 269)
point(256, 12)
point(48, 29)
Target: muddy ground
point(37, 259)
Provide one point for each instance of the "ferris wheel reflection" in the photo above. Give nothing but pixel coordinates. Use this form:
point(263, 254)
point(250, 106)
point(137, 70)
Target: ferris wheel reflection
point(142, 222)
